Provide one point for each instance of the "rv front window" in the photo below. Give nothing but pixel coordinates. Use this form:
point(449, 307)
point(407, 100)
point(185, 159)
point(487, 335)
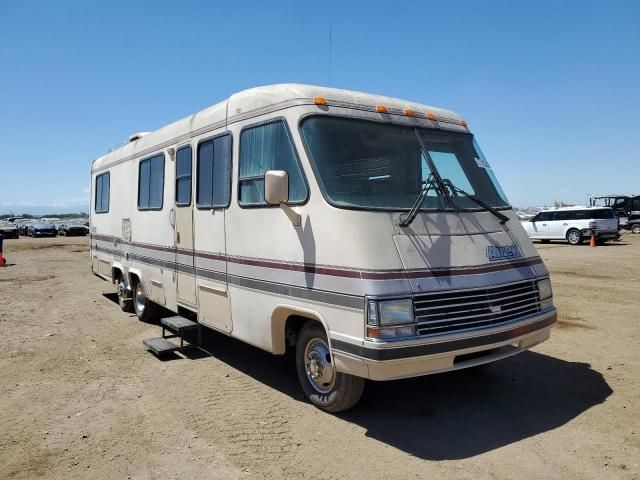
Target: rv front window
point(372, 165)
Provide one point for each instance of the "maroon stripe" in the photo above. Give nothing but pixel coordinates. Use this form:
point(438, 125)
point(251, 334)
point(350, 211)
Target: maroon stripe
point(338, 272)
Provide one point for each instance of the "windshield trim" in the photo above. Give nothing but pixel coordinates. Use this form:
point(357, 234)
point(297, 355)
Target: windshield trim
point(376, 209)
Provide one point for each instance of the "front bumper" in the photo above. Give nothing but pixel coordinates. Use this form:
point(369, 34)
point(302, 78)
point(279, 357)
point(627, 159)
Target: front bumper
point(388, 361)
point(76, 231)
point(44, 233)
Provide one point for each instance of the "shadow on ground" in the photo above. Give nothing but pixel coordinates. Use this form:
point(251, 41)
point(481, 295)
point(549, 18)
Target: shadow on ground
point(447, 416)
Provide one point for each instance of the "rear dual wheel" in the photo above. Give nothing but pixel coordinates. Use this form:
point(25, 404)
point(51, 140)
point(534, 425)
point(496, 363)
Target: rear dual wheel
point(325, 387)
point(145, 309)
point(124, 300)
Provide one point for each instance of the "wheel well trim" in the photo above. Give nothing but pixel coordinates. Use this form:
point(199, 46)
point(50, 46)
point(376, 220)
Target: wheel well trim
point(134, 272)
point(117, 267)
point(279, 317)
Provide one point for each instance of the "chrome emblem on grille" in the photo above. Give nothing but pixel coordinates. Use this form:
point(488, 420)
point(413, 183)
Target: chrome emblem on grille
point(495, 308)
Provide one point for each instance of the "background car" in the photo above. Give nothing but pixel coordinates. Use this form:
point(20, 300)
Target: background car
point(633, 223)
point(72, 227)
point(41, 229)
point(573, 224)
point(8, 230)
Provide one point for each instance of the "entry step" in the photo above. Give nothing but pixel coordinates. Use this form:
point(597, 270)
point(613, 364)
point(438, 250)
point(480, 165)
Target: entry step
point(178, 324)
point(160, 345)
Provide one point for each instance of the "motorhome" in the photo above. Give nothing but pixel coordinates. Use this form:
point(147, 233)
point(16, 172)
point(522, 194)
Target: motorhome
point(367, 234)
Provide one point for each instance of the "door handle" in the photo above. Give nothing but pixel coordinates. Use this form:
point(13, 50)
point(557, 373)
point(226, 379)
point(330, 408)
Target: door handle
point(172, 217)
point(544, 224)
point(565, 224)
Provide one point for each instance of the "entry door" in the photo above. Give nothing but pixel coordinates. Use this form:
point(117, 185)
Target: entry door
point(186, 280)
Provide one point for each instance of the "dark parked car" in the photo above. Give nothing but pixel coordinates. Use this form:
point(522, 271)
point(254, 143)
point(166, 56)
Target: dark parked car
point(72, 228)
point(39, 229)
point(8, 230)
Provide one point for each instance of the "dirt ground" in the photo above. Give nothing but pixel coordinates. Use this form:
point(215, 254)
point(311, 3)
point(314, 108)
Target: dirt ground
point(81, 398)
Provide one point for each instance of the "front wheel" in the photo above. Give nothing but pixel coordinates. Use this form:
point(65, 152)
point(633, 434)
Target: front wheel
point(574, 237)
point(326, 388)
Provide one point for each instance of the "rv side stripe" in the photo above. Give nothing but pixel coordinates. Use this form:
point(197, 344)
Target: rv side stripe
point(331, 298)
point(441, 347)
point(345, 272)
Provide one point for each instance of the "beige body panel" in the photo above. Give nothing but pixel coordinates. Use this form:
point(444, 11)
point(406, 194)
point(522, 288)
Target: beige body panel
point(246, 270)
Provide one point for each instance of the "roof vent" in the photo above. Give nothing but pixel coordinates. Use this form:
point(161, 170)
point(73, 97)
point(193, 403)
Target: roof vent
point(137, 136)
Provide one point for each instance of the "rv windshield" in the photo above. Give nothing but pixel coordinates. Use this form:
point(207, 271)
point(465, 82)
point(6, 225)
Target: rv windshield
point(371, 165)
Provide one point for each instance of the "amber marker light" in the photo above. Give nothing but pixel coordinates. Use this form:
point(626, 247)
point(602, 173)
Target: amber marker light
point(381, 109)
point(319, 100)
point(463, 123)
point(431, 116)
point(409, 113)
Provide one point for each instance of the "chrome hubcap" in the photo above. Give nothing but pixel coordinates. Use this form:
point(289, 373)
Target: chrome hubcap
point(317, 364)
point(573, 236)
point(139, 298)
point(121, 292)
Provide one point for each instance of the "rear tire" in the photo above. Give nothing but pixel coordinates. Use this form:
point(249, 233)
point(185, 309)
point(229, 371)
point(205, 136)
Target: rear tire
point(326, 388)
point(574, 237)
point(145, 309)
point(126, 304)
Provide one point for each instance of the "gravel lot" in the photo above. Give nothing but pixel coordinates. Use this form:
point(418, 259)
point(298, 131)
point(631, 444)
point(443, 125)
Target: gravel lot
point(81, 398)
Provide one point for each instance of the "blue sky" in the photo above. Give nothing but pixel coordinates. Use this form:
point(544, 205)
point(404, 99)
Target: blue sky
point(551, 89)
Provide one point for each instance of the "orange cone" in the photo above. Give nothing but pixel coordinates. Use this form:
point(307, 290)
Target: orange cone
point(592, 244)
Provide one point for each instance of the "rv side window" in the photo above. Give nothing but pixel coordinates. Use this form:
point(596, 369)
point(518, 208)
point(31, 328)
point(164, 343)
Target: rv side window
point(151, 183)
point(268, 147)
point(214, 173)
point(183, 176)
point(102, 193)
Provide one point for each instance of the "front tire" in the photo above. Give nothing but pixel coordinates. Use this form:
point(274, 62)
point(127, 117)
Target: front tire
point(326, 388)
point(574, 237)
point(145, 309)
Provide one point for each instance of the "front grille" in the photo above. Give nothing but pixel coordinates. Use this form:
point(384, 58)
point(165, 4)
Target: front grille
point(452, 311)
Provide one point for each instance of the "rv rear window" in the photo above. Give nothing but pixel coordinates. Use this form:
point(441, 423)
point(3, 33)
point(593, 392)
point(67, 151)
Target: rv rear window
point(214, 173)
point(151, 183)
point(268, 147)
point(102, 193)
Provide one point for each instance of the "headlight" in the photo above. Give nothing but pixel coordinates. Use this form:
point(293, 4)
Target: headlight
point(390, 312)
point(389, 319)
point(544, 289)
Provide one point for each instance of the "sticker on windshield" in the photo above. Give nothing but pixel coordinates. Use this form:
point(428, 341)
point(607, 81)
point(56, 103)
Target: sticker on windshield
point(482, 163)
point(502, 253)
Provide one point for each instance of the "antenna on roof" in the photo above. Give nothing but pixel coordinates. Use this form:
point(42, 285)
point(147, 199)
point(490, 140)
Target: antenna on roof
point(330, 54)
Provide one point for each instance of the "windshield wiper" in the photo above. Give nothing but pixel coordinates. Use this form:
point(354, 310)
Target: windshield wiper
point(503, 218)
point(407, 218)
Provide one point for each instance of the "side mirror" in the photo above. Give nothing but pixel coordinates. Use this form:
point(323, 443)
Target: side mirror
point(276, 187)
point(276, 192)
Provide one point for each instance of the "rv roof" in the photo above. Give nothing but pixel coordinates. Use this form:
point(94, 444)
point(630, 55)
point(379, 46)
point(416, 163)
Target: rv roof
point(241, 105)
